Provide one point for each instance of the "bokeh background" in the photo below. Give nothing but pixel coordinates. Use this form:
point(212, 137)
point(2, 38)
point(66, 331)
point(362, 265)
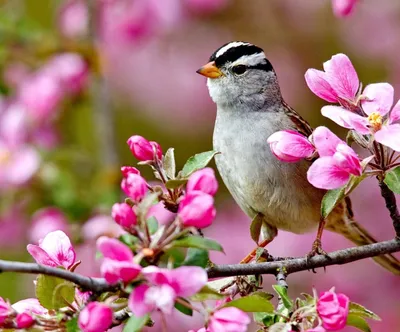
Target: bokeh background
point(79, 77)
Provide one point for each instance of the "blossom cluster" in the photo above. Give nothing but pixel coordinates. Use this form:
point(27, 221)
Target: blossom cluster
point(369, 114)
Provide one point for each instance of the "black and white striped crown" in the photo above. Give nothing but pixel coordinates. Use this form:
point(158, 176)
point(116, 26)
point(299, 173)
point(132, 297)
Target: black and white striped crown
point(252, 55)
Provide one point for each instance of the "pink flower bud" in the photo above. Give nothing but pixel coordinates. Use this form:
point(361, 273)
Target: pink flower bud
point(134, 186)
point(95, 317)
point(142, 149)
point(333, 310)
point(24, 320)
point(229, 319)
point(197, 209)
point(73, 19)
point(290, 146)
point(203, 180)
point(126, 170)
point(342, 8)
point(123, 215)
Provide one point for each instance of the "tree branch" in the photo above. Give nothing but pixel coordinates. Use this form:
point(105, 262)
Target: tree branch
point(391, 205)
point(339, 257)
point(95, 285)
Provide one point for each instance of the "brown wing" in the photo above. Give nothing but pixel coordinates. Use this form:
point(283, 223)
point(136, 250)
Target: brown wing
point(302, 125)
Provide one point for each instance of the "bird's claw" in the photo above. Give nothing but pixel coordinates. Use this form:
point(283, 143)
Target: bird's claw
point(316, 250)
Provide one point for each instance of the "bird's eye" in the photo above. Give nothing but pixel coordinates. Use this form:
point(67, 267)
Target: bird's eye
point(239, 69)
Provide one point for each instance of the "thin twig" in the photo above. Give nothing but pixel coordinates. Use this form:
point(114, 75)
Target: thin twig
point(281, 281)
point(95, 285)
point(391, 205)
point(339, 257)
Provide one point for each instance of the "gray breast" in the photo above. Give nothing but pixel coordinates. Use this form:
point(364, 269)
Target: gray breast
point(256, 179)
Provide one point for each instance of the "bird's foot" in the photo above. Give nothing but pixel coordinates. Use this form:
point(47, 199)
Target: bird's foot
point(316, 250)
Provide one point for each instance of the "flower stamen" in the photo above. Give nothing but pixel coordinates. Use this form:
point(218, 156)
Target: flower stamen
point(375, 119)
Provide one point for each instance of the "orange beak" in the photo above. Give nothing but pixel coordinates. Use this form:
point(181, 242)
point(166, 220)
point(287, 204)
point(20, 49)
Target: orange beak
point(210, 70)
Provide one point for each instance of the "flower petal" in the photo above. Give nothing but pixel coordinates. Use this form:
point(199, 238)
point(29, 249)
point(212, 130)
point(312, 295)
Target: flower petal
point(325, 141)
point(137, 302)
point(317, 82)
point(58, 246)
point(342, 76)
point(395, 113)
point(342, 8)
point(188, 280)
point(347, 159)
point(379, 98)
point(346, 119)
point(114, 249)
point(325, 174)
point(389, 136)
point(41, 256)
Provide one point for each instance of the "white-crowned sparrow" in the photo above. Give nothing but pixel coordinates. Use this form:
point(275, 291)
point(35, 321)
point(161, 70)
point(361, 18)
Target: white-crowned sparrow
point(250, 107)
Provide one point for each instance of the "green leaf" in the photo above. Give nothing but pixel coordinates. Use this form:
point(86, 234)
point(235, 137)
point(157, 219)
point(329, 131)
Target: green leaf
point(392, 179)
point(173, 184)
point(182, 308)
point(265, 318)
point(129, 239)
point(330, 200)
point(255, 227)
point(361, 311)
point(135, 324)
point(358, 322)
point(54, 293)
point(197, 242)
point(282, 292)
point(252, 303)
point(196, 257)
point(152, 225)
point(169, 163)
point(206, 293)
point(72, 325)
point(196, 162)
point(259, 252)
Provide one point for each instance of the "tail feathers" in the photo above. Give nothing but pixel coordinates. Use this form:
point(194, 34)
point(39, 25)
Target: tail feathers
point(360, 236)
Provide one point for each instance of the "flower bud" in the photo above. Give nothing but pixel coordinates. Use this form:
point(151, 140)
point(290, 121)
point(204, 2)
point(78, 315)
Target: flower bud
point(134, 186)
point(290, 146)
point(95, 317)
point(333, 310)
point(203, 180)
point(123, 215)
point(126, 170)
point(142, 149)
point(24, 321)
point(197, 209)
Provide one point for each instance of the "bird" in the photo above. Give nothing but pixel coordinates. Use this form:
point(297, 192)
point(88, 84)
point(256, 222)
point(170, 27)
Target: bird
point(244, 86)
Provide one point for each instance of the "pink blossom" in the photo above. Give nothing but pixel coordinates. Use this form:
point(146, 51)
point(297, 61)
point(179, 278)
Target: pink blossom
point(316, 329)
point(142, 149)
point(338, 81)
point(70, 69)
point(54, 250)
point(123, 215)
point(14, 125)
point(377, 102)
point(41, 94)
point(134, 186)
point(31, 306)
point(228, 319)
point(337, 161)
point(201, 7)
point(5, 310)
point(47, 220)
point(17, 164)
point(290, 146)
point(100, 225)
point(333, 310)
point(126, 170)
point(343, 8)
point(166, 286)
point(73, 19)
point(197, 209)
point(203, 180)
point(95, 317)
point(24, 320)
point(118, 261)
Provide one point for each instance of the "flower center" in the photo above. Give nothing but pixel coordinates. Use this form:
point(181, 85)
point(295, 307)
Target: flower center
point(375, 120)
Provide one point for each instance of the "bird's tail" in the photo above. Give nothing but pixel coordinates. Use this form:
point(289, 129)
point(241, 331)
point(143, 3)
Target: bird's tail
point(360, 236)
